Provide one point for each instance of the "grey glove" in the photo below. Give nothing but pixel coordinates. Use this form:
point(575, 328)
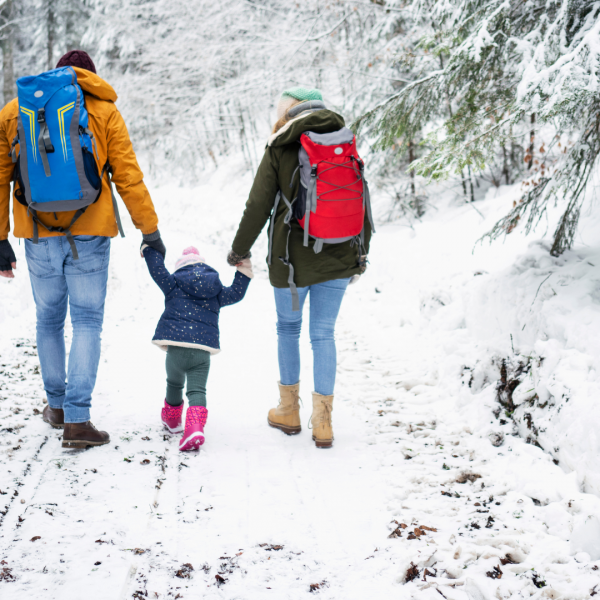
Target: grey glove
point(155, 241)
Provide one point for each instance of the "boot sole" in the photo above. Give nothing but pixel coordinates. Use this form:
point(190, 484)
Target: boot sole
point(54, 425)
point(285, 428)
point(82, 443)
point(193, 442)
point(322, 443)
point(175, 430)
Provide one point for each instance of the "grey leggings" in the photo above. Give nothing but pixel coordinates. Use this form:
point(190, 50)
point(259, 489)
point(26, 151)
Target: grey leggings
point(193, 364)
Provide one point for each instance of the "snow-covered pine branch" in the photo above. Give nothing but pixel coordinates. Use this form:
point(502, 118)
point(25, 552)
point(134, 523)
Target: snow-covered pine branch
point(514, 76)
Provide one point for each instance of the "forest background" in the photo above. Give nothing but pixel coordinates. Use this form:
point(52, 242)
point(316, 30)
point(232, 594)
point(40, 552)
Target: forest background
point(466, 371)
point(474, 93)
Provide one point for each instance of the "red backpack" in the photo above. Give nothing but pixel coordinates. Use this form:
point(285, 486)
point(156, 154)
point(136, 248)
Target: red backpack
point(333, 196)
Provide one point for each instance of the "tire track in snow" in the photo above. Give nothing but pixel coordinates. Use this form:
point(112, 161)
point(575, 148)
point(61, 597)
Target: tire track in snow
point(36, 472)
point(136, 565)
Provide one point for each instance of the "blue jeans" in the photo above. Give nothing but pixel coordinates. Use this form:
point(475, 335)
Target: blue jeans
point(325, 302)
point(58, 280)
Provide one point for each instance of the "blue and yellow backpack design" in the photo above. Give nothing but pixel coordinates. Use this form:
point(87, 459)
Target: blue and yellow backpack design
point(55, 167)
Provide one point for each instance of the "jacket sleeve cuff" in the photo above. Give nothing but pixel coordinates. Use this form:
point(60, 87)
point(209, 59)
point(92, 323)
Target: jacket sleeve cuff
point(152, 237)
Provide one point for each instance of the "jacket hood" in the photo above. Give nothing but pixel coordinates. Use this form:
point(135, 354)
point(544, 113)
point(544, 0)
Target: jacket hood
point(319, 121)
point(199, 280)
point(95, 86)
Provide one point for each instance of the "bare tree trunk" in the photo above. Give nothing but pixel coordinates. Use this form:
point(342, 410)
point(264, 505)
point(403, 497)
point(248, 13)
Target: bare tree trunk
point(411, 158)
point(50, 22)
point(505, 166)
point(449, 104)
point(471, 182)
point(69, 31)
point(7, 44)
point(531, 142)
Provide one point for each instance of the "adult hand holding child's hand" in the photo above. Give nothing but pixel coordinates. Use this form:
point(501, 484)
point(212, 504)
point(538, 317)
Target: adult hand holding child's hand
point(154, 241)
point(235, 260)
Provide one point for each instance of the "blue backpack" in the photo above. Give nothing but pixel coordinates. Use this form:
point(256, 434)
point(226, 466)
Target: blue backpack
point(55, 167)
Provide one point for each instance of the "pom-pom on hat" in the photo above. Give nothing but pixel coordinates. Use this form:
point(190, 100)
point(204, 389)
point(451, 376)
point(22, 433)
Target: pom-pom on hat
point(291, 96)
point(190, 256)
point(77, 58)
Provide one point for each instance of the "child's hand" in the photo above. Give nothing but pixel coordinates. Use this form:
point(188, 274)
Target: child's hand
point(245, 267)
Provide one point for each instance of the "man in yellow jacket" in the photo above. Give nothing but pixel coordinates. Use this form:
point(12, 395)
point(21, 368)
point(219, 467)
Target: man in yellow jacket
point(57, 279)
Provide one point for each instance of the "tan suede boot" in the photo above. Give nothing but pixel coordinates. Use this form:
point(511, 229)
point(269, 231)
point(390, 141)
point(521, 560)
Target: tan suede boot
point(321, 421)
point(287, 415)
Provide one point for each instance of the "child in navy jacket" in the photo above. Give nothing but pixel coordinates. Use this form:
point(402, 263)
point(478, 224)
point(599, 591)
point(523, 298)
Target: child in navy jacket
point(189, 332)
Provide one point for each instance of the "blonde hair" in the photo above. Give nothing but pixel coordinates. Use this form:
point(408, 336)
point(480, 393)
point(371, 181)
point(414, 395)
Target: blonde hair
point(286, 117)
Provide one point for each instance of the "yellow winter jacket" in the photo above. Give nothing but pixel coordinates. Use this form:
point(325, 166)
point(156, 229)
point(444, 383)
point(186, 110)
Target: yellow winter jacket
point(113, 142)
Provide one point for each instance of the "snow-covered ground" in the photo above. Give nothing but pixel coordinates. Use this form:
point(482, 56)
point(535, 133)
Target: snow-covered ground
point(429, 491)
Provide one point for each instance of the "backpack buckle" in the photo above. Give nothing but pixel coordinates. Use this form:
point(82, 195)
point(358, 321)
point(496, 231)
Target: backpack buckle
point(313, 171)
point(41, 115)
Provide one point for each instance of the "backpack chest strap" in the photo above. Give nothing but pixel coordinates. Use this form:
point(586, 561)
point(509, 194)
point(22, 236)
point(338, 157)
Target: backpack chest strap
point(44, 142)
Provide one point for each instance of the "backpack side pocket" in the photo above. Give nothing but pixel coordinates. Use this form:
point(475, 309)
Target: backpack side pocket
point(91, 168)
point(18, 185)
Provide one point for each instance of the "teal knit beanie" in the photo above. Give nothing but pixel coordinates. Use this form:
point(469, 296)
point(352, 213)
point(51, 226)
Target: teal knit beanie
point(297, 93)
point(302, 94)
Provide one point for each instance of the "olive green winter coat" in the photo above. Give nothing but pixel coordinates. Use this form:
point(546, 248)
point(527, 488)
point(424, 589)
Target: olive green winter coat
point(335, 261)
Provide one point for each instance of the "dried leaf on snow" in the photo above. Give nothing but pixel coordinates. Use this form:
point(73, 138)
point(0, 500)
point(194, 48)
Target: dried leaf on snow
point(412, 573)
point(495, 573)
point(185, 571)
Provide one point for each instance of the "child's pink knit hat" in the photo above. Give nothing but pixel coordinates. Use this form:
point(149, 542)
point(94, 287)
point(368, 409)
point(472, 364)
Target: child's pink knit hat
point(190, 256)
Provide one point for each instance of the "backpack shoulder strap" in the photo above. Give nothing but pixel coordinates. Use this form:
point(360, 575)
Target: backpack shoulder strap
point(272, 227)
point(366, 196)
point(108, 170)
point(285, 259)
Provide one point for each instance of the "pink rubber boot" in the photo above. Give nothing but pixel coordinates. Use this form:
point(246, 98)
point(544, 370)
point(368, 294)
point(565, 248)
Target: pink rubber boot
point(171, 417)
point(193, 436)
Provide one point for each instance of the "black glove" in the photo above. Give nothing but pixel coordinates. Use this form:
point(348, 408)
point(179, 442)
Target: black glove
point(154, 241)
point(235, 259)
point(7, 256)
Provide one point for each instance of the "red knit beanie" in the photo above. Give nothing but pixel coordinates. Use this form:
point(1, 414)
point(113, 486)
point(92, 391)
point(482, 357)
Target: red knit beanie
point(77, 58)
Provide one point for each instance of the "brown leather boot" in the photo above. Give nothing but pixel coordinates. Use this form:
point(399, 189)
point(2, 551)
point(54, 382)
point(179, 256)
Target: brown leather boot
point(82, 435)
point(287, 415)
point(54, 416)
point(321, 420)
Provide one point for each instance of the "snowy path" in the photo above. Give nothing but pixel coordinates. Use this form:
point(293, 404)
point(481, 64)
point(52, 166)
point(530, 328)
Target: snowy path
point(262, 515)
point(250, 485)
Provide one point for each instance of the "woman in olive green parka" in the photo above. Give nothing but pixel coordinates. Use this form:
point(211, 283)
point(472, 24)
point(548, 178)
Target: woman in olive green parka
point(324, 275)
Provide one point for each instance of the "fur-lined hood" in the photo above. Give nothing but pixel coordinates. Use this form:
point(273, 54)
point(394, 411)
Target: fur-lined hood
point(319, 120)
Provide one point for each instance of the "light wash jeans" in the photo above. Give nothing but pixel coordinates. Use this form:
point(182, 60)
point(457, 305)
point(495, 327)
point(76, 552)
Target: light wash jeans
point(57, 279)
point(325, 301)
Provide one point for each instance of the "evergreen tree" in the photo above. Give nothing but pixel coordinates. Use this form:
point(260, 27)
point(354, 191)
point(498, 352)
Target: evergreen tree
point(518, 78)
